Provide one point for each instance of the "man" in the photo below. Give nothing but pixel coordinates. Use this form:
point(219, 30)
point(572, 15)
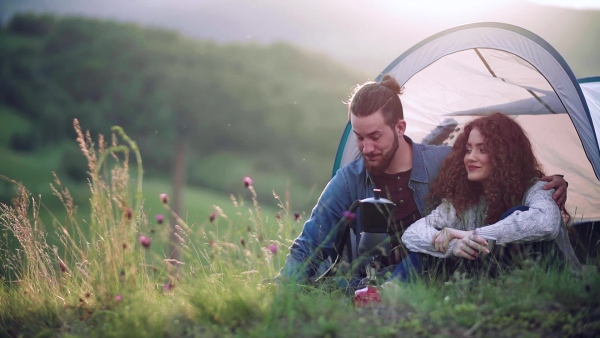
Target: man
point(390, 161)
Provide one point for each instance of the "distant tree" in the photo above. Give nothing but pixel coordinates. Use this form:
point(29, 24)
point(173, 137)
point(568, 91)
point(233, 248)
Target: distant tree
point(30, 24)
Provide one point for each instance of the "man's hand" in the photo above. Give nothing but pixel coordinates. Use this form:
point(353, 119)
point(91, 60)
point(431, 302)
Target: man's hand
point(560, 194)
point(442, 238)
point(470, 247)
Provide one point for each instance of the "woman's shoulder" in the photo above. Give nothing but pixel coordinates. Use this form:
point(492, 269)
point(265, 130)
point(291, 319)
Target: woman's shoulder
point(536, 190)
point(537, 184)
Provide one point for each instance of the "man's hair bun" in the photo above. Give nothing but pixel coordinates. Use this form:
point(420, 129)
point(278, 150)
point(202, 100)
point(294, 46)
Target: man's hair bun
point(390, 83)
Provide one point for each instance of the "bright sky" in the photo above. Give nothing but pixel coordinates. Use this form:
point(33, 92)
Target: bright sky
point(577, 4)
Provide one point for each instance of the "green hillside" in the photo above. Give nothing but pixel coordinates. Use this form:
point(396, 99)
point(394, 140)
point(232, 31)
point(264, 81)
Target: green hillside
point(272, 112)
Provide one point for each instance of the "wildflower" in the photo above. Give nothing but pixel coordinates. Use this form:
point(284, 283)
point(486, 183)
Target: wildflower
point(88, 295)
point(168, 286)
point(160, 218)
point(248, 181)
point(349, 216)
point(212, 216)
point(145, 241)
point(296, 217)
point(129, 213)
point(118, 298)
point(243, 241)
point(124, 245)
point(272, 248)
point(63, 267)
point(163, 198)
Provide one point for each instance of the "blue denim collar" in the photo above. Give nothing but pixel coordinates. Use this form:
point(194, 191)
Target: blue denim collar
point(419, 172)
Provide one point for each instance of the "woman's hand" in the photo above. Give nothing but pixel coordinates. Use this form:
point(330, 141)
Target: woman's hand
point(442, 238)
point(470, 247)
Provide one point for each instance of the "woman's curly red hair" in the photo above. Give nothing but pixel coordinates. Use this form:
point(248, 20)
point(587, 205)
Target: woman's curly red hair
point(514, 166)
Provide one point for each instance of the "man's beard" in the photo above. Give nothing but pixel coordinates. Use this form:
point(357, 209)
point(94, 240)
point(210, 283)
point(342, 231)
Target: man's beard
point(386, 158)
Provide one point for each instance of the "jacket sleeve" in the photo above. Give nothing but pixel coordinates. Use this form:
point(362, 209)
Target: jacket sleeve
point(317, 240)
point(419, 236)
point(541, 222)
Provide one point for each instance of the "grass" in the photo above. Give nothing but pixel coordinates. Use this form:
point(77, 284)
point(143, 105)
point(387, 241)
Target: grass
point(104, 282)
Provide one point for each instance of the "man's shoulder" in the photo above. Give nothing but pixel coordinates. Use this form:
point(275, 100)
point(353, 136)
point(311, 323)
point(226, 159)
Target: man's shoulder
point(431, 154)
point(355, 167)
point(430, 148)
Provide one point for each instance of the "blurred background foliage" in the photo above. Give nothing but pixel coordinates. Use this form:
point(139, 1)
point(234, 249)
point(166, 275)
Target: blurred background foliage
point(269, 111)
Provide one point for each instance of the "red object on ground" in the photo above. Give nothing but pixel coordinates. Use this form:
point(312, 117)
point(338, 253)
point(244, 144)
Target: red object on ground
point(366, 296)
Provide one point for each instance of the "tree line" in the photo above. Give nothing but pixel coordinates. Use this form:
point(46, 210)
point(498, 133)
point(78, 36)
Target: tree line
point(273, 105)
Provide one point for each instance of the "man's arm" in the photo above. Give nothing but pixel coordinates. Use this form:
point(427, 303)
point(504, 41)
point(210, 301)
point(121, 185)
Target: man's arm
point(560, 194)
point(317, 240)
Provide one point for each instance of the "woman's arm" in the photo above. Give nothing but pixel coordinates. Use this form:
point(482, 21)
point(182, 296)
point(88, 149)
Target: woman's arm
point(540, 222)
point(442, 239)
point(419, 236)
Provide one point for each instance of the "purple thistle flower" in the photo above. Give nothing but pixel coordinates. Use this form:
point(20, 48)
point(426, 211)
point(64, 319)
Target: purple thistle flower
point(129, 213)
point(243, 241)
point(160, 218)
point(63, 267)
point(118, 298)
point(145, 241)
point(349, 216)
point(212, 217)
point(296, 217)
point(168, 286)
point(272, 248)
point(163, 198)
point(248, 181)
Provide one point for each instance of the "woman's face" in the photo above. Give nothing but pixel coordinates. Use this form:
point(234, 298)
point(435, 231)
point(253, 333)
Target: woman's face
point(477, 159)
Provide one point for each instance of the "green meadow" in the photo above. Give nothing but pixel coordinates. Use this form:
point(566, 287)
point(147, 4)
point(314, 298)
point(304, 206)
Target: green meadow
point(105, 269)
point(90, 244)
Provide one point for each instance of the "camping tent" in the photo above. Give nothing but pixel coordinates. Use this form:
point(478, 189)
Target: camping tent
point(590, 86)
point(481, 68)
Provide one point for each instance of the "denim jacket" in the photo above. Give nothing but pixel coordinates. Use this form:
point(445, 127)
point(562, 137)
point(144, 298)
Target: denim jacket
point(316, 242)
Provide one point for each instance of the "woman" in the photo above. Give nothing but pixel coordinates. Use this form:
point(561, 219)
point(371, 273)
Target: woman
point(489, 190)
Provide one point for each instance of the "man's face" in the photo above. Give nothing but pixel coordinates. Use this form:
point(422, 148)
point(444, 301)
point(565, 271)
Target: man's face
point(376, 141)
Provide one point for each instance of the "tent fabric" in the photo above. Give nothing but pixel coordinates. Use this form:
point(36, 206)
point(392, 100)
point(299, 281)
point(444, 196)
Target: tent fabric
point(590, 87)
point(476, 69)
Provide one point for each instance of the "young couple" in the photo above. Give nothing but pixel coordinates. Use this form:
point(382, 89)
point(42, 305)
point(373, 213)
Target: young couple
point(488, 187)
